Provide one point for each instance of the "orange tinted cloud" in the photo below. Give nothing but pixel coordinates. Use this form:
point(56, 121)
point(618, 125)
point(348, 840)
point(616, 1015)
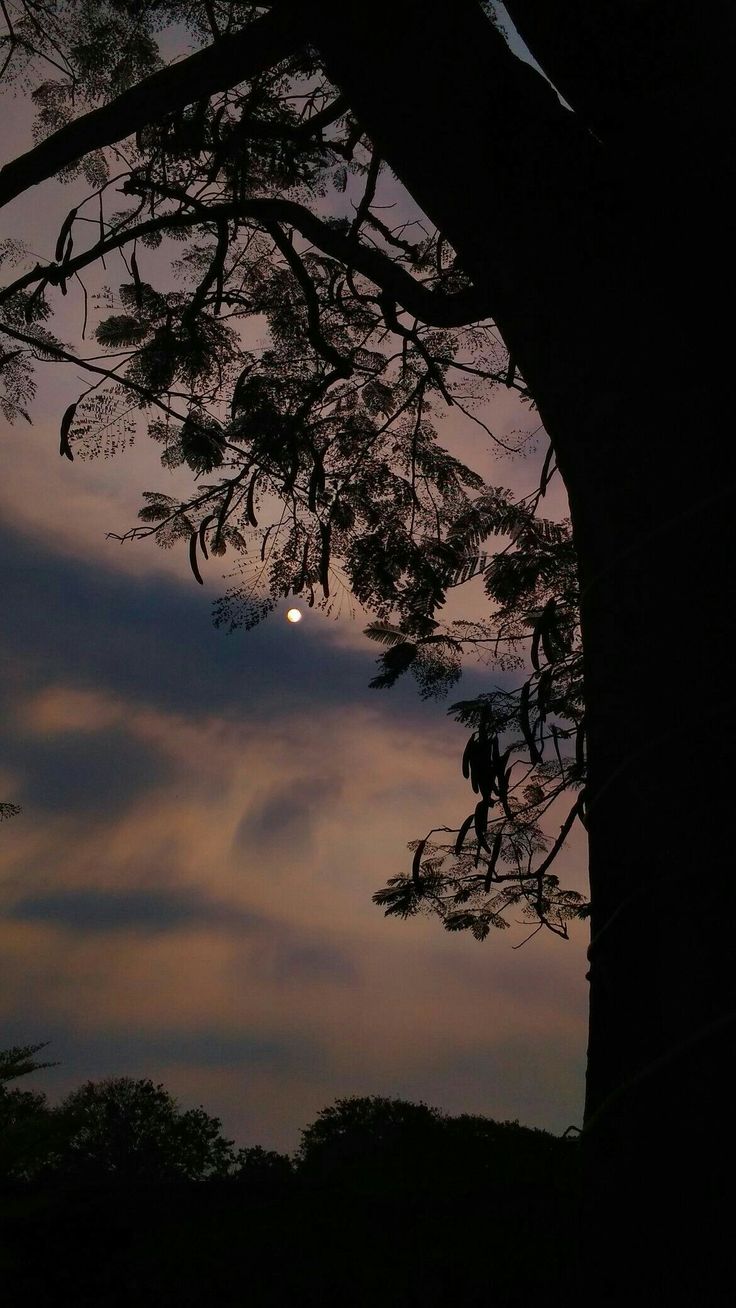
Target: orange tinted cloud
point(230, 903)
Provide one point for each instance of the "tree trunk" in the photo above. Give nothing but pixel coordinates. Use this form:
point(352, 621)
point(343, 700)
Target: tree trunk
point(601, 259)
point(657, 560)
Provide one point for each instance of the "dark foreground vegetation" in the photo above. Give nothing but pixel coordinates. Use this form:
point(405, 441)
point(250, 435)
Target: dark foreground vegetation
point(117, 1197)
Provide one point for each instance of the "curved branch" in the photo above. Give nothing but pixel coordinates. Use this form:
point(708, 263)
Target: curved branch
point(315, 333)
point(430, 307)
point(565, 830)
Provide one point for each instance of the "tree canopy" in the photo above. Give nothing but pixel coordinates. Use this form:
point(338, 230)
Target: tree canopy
point(120, 1129)
point(131, 1129)
point(380, 1145)
point(280, 316)
point(384, 1199)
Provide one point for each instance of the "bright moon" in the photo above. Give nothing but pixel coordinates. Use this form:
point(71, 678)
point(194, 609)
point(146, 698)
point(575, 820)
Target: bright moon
point(294, 615)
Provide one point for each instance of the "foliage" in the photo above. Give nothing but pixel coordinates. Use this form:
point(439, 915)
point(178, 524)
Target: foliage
point(385, 1200)
point(128, 1129)
point(262, 1170)
point(28, 1131)
point(20, 1060)
point(29, 1134)
point(359, 1124)
point(525, 750)
point(119, 1129)
point(293, 344)
point(377, 1145)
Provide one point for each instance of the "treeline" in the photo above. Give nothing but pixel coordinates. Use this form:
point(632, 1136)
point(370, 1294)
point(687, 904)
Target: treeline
point(133, 1199)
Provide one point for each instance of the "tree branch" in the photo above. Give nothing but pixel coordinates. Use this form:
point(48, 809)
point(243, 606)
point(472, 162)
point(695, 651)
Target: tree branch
point(428, 306)
point(58, 353)
point(565, 830)
point(314, 329)
point(221, 65)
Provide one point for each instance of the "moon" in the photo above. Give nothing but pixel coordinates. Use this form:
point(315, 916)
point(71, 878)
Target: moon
point(293, 615)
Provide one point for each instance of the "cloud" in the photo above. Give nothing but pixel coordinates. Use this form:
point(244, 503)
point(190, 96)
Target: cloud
point(64, 708)
point(82, 775)
point(294, 810)
point(72, 622)
point(281, 955)
point(128, 910)
point(308, 962)
point(70, 509)
point(129, 1051)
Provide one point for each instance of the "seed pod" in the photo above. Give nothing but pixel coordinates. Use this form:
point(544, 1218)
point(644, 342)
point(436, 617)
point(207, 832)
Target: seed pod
point(416, 861)
point(218, 264)
point(65, 448)
point(299, 587)
point(249, 511)
point(193, 558)
point(204, 524)
point(480, 821)
point(462, 833)
point(324, 562)
point(136, 279)
point(544, 685)
point(316, 482)
point(64, 242)
point(223, 514)
point(548, 630)
point(536, 637)
point(525, 724)
point(547, 471)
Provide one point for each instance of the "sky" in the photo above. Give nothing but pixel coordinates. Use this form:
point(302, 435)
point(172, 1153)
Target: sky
point(186, 895)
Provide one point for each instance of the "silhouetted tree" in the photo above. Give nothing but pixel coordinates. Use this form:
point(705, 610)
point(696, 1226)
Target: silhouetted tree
point(132, 1130)
point(595, 234)
point(392, 1146)
point(262, 1170)
point(386, 1201)
point(29, 1131)
point(454, 1199)
point(371, 1145)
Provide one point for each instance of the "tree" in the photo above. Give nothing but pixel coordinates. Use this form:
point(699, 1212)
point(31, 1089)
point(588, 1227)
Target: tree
point(262, 1171)
point(594, 233)
point(458, 1201)
point(28, 1130)
point(123, 1129)
point(370, 1143)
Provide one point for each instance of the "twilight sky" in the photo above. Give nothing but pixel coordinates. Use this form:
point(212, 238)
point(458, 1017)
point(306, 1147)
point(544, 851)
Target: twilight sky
point(186, 894)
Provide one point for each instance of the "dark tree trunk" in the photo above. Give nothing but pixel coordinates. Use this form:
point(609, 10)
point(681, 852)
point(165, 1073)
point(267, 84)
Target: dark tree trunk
point(607, 260)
